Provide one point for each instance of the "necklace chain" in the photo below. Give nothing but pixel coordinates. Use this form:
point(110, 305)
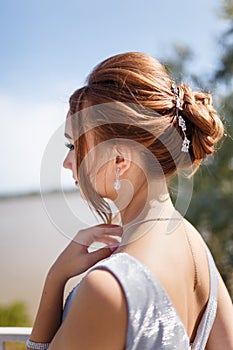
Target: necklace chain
point(196, 279)
point(154, 219)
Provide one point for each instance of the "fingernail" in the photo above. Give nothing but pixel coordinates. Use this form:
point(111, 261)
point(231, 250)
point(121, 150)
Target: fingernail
point(113, 247)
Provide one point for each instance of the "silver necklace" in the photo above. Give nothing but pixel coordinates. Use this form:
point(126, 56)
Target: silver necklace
point(154, 219)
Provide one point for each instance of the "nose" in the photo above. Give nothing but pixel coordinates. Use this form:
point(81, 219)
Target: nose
point(67, 162)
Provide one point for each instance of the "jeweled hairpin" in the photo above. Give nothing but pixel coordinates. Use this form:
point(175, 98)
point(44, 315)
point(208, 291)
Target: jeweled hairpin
point(181, 121)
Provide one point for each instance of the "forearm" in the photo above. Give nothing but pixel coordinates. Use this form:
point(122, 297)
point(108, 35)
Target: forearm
point(73, 261)
point(49, 314)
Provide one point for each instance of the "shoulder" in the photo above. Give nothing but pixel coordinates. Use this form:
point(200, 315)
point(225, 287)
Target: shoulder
point(97, 318)
point(197, 243)
point(104, 286)
point(194, 232)
point(100, 293)
point(221, 335)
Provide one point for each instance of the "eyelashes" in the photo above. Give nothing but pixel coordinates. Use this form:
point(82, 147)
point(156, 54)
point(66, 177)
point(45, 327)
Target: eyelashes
point(70, 146)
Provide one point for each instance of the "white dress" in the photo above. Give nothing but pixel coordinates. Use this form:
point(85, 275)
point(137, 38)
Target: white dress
point(153, 322)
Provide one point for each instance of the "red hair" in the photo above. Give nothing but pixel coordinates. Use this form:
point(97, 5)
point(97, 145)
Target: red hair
point(139, 80)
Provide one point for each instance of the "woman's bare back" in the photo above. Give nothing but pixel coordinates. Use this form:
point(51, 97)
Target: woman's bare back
point(178, 260)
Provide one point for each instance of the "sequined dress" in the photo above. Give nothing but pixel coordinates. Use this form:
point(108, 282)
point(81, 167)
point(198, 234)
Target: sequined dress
point(153, 322)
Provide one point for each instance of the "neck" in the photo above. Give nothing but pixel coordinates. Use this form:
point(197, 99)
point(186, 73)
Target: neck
point(135, 208)
point(145, 210)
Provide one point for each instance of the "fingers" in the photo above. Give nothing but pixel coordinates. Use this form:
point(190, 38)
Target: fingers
point(102, 253)
point(114, 246)
point(99, 233)
point(116, 232)
point(107, 240)
point(113, 230)
point(108, 225)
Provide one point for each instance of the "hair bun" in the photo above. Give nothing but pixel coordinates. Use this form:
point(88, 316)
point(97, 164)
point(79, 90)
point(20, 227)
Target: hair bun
point(204, 127)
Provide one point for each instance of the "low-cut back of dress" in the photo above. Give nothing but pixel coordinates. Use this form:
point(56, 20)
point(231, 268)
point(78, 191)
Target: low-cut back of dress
point(153, 322)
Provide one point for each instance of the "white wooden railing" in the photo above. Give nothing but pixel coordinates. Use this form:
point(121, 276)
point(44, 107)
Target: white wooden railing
point(13, 334)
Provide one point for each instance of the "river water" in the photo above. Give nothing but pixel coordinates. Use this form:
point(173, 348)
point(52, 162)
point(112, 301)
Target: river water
point(33, 231)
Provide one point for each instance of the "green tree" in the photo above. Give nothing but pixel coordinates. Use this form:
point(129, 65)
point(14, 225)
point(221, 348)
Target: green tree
point(211, 208)
point(14, 315)
point(212, 205)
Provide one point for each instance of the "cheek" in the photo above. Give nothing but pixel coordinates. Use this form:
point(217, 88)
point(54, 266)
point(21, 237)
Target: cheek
point(104, 181)
point(73, 162)
point(99, 178)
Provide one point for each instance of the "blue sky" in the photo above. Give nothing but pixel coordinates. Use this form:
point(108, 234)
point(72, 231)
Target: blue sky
point(49, 47)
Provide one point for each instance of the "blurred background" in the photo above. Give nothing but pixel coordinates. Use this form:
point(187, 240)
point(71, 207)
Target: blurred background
point(48, 48)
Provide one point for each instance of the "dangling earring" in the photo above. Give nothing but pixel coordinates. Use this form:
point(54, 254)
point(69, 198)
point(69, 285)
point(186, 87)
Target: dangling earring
point(117, 184)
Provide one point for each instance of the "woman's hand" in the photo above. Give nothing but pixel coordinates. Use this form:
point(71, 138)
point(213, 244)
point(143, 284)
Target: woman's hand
point(76, 258)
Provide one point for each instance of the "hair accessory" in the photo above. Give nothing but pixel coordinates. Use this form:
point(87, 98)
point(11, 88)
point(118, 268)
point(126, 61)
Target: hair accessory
point(181, 121)
point(117, 184)
point(38, 346)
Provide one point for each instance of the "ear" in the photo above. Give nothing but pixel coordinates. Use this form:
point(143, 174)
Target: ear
point(123, 158)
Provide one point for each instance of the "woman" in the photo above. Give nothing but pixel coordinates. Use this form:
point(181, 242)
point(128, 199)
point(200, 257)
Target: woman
point(130, 129)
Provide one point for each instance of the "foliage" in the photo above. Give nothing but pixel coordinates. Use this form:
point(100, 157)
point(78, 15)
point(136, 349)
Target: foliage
point(225, 69)
point(211, 208)
point(14, 315)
